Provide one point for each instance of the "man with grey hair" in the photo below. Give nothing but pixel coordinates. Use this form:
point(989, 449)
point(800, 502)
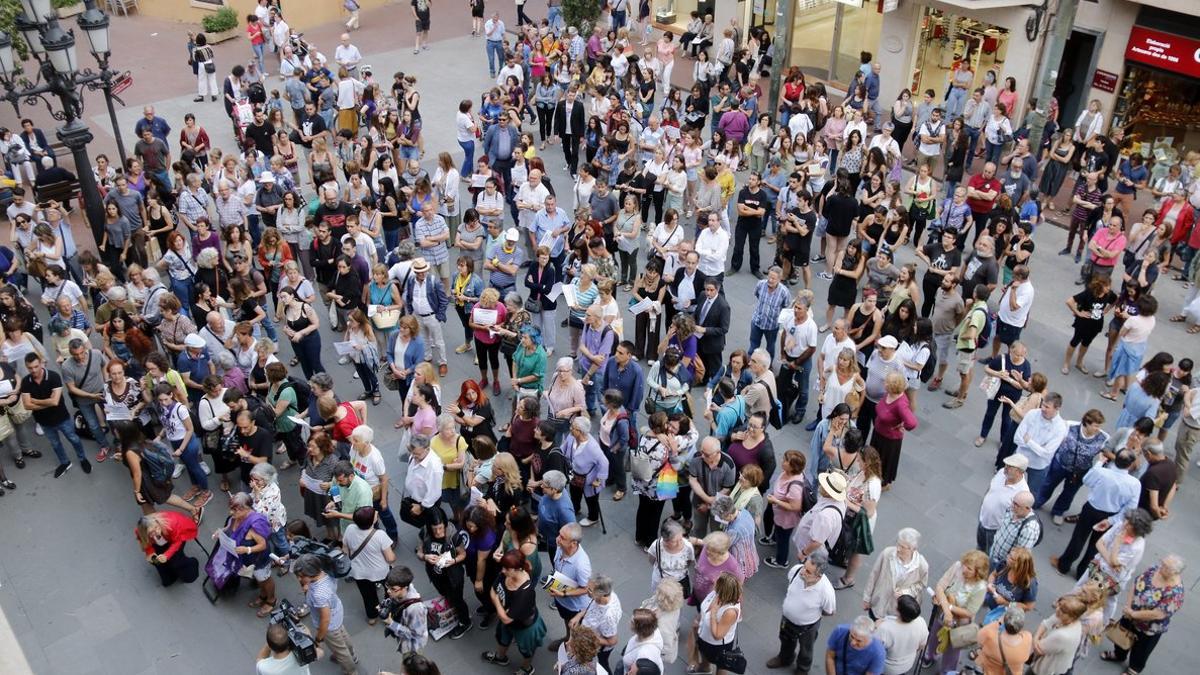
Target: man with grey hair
point(193, 201)
point(711, 473)
point(230, 208)
point(151, 316)
point(1159, 482)
point(809, 597)
point(852, 649)
point(422, 482)
point(761, 392)
point(320, 593)
point(115, 298)
point(83, 375)
point(554, 509)
point(1019, 527)
point(572, 563)
point(771, 296)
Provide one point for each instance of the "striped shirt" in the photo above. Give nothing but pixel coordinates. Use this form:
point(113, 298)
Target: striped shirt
point(770, 304)
point(436, 254)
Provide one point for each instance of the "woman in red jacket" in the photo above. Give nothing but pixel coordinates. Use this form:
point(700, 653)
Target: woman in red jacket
point(163, 536)
point(1177, 213)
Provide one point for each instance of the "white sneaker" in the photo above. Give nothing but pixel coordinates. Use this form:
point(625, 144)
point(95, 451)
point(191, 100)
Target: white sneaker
point(1058, 520)
point(587, 522)
point(37, 428)
point(204, 467)
point(356, 374)
point(178, 471)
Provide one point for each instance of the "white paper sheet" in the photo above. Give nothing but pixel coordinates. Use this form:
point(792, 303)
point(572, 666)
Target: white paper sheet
point(344, 348)
point(643, 305)
point(117, 412)
point(568, 293)
point(312, 484)
point(555, 291)
point(485, 317)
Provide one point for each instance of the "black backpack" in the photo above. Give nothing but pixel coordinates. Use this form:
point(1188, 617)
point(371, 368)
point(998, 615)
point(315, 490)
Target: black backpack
point(1041, 530)
point(302, 390)
point(257, 93)
point(263, 414)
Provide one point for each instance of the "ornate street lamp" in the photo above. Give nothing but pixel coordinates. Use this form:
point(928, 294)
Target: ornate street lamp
point(58, 74)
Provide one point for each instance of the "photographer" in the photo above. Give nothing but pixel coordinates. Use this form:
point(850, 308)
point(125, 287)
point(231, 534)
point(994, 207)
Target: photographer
point(320, 592)
point(403, 612)
point(370, 551)
point(276, 658)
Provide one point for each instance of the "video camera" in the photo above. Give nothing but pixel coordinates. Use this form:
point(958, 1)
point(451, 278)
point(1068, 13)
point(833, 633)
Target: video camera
point(303, 647)
point(333, 559)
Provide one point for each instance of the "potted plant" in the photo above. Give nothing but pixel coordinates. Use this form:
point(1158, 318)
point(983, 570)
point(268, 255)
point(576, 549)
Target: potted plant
point(221, 25)
point(66, 8)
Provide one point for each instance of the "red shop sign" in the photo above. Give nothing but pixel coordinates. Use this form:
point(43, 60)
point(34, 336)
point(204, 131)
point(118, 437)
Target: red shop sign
point(1164, 50)
point(1104, 81)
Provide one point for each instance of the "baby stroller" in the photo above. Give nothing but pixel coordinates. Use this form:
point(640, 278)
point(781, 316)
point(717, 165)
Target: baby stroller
point(243, 115)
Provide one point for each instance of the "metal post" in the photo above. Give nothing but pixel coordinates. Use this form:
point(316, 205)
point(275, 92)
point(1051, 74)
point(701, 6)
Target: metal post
point(782, 48)
point(76, 136)
point(112, 112)
point(1053, 46)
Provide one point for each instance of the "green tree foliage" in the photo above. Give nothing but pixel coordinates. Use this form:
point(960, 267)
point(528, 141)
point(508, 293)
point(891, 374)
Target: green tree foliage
point(581, 13)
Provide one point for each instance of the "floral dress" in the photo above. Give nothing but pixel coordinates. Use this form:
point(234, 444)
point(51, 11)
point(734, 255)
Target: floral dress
point(1147, 596)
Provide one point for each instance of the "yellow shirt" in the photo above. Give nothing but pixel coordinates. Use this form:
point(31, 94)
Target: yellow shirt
point(726, 181)
point(448, 453)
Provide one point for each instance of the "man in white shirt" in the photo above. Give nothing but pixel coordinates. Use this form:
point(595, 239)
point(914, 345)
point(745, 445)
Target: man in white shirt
point(493, 30)
point(809, 597)
point(1008, 482)
point(347, 55)
point(281, 34)
point(511, 67)
point(837, 340)
point(797, 343)
point(931, 137)
point(1038, 436)
point(349, 96)
point(1015, 303)
point(422, 482)
point(530, 198)
point(886, 144)
point(712, 245)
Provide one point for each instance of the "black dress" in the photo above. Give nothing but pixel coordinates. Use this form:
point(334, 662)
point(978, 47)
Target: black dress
point(843, 290)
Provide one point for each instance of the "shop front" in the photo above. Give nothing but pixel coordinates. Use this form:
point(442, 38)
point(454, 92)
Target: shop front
point(1158, 103)
point(948, 42)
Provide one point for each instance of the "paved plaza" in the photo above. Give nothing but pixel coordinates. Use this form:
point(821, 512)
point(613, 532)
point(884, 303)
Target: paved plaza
point(80, 598)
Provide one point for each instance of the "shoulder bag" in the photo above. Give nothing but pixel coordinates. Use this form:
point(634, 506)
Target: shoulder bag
point(991, 384)
point(685, 583)
point(363, 544)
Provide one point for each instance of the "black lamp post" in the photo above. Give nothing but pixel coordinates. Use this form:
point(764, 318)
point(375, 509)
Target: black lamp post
point(58, 74)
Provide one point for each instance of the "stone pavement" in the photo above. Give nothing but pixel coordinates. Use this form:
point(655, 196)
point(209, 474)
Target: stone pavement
point(81, 600)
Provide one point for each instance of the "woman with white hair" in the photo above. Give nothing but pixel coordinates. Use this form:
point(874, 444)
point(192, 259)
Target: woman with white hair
point(739, 525)
point(602, 614)
point(565, 397)
point(672, 555)
point(899, 570)
point(666, 604)
point(1155, 597)
point(264, 486)
point(589, 466)
point(369, 465)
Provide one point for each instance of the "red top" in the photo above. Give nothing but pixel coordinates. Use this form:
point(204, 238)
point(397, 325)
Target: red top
point(343, 427)
point(978, 182)
point(484, 336)
point(792, 91)
point(892, 419)
point(1183, 223)
point(179, 530)
point(255, 32)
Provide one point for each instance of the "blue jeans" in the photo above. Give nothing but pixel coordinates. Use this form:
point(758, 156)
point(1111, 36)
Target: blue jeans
point(279, 544)
point(468, 166)
point(66, 428)
point(793, 386)
point(554, 18)
point(259, 50)
point(618, 19)
point(1071, 482)
point(308, 350)
point(756, 336)
point(388, 520)
point(88, 410)
point(972, 143)
point(269, 325)
point(191, 461)
point(992, 152)
point(955, 102)
point(369, 379)
point(391, 238)
point(1035, 478)
point(254, 224)
point(410, 152)
point(182, 289)
point(495, 52)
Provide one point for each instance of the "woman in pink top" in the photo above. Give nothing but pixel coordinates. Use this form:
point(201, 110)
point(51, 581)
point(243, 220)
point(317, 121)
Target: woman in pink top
point(666, 47)
point(1008, 96)
point(489, 312)
point(893, 417)
point(424, 421)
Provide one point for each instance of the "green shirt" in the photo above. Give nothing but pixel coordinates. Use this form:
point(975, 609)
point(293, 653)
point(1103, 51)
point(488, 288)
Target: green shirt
point(531, 364)
point(975, 318)
point(354, 496)
point(283, 423)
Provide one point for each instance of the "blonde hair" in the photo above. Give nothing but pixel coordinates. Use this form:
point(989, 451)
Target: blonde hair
point(718, 542)
point(668, 597)
point(489, 295)
point(894, 383)
point(977, 562)
point(505, 465)
point(428, 372)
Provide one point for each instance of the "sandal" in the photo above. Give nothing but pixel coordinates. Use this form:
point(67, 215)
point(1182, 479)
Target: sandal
point(1178, 318)
point(256, 602)
point(265, 611)
point(1111, 657)
point(494, 658)
point(1081, 369)
point(618, 495)
point(1108, 396)
point(224, 485)
point(1066, 370)
point(376, 398)
point(1194, 329)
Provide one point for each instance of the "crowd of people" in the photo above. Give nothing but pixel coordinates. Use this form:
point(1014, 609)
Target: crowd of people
point(330, 222)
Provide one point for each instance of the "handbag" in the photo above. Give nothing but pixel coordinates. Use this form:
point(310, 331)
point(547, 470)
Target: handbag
point(211, 440)
point(210, 67)
point(533, 306)
point(1120, 636)
point(385, 319)
point(991, 384)
point(390, 381)
point(964, 636)
point(732, 659)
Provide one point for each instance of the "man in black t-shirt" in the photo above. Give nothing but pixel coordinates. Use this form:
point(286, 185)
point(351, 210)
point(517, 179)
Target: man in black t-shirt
point(42, 394)
point(942, 258)
point(752, 203)
point(262, 133)
point(333, 211)
point(254, 444)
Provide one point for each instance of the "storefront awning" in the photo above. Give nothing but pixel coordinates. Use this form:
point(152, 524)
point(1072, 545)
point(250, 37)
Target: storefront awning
point(987, 4)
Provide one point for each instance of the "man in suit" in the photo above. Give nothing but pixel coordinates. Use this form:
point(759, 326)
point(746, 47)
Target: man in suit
point(35, 143)
point(498, 144)
point(426, 299)
point(685, 287)
point(569, 123)
point(712, 324)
